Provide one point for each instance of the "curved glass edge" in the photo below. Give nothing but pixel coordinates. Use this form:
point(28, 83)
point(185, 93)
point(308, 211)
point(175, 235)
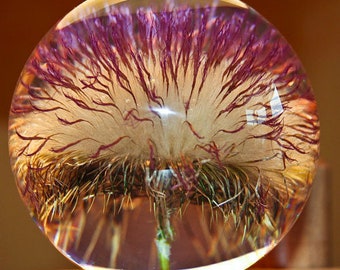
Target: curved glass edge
point(94, 8)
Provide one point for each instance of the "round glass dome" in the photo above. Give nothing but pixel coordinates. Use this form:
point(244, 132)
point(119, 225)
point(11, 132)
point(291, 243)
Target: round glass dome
point(163, 135)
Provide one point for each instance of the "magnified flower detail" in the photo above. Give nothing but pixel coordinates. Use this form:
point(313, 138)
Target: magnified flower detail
point(163, 136)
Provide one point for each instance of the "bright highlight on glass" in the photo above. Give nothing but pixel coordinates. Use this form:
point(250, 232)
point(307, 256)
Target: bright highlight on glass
point(163, 135)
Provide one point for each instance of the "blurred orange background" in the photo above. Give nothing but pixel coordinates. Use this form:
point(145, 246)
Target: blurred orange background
point(311, 26)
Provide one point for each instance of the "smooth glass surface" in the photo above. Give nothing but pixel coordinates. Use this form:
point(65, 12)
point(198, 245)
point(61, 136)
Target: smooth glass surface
point(163, 135)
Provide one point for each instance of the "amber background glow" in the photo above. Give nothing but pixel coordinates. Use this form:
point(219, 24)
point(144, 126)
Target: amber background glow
point(312, 27)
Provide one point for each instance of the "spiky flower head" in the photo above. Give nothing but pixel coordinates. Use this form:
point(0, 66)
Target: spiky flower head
point(201, 103)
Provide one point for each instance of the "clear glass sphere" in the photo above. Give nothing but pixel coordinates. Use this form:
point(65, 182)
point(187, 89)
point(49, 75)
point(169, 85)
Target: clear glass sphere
point(163, 135)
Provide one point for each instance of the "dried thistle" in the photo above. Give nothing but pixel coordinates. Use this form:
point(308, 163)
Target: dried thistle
point(183, 106)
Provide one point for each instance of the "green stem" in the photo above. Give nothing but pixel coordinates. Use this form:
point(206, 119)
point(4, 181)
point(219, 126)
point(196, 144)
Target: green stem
point(159, 190)
point(163, 249)
point(164, 236)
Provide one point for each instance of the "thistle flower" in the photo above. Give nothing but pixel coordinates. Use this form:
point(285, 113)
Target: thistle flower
point(171, 110)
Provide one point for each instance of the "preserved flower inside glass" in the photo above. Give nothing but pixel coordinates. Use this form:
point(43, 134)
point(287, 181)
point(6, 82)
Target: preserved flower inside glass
point(163, 135)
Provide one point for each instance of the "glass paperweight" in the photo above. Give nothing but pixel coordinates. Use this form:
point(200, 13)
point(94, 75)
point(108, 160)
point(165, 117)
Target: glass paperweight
point(163, 135)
